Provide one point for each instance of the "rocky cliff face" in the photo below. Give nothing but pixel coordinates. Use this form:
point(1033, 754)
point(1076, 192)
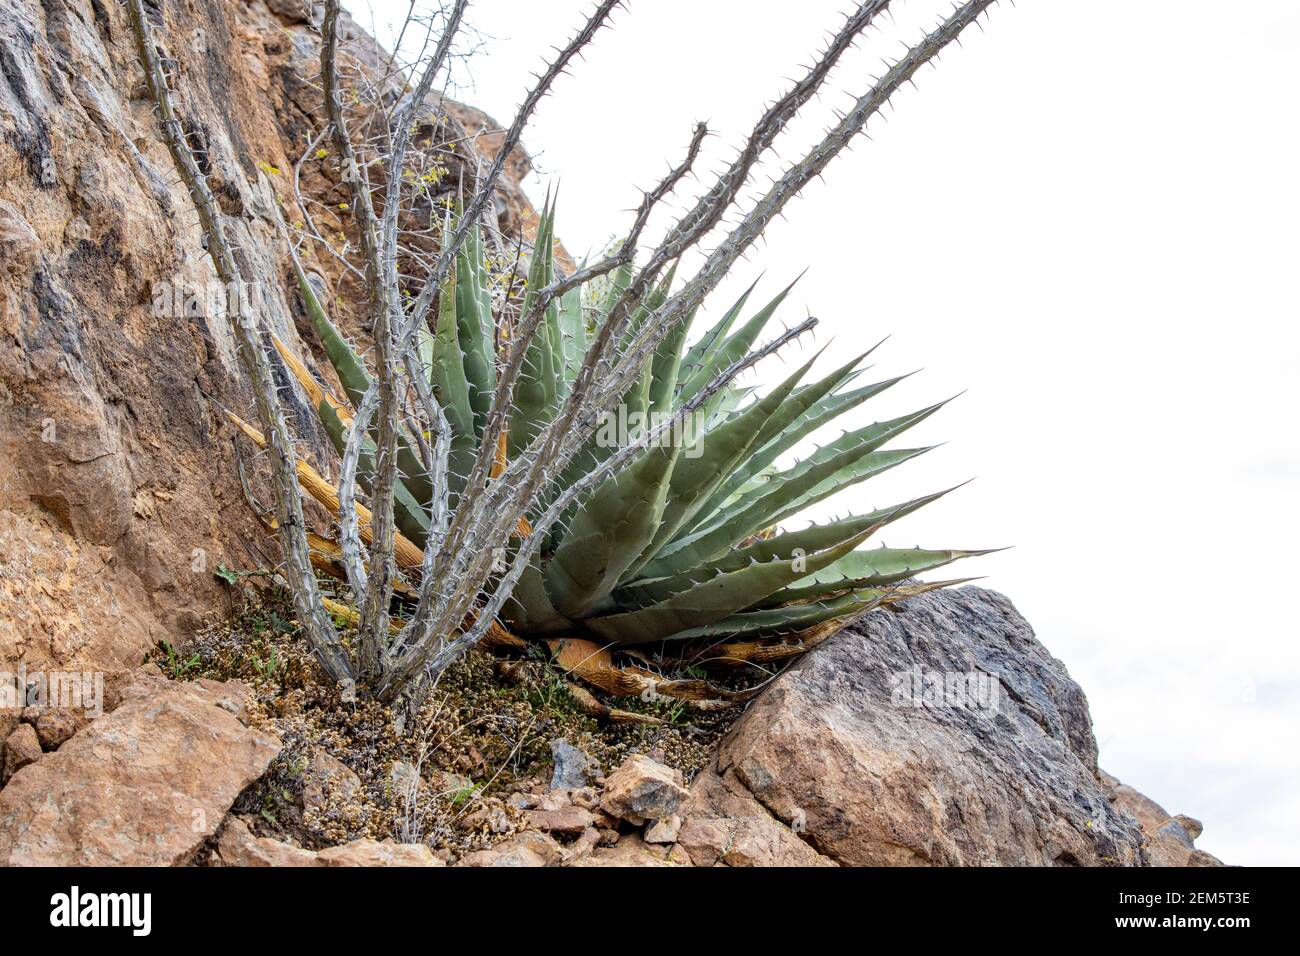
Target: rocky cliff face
point(120, 489)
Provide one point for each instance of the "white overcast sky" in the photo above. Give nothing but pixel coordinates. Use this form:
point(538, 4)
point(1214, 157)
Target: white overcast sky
point(1087, 218)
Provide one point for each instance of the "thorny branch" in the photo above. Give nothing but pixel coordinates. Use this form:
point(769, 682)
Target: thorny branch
point(321, 634)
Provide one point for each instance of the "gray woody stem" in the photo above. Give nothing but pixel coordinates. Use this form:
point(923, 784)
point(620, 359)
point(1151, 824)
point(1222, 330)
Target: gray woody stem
point(322, 636)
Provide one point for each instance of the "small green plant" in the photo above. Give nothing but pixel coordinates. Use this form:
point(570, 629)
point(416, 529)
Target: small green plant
point(175, 666)
point(464, 794)
point(268, 669)
point(229, 575)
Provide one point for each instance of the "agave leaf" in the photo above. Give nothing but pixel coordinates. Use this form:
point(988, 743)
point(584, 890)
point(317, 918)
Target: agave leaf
point(735, 347)
point(666, 365)
point(584, 314)
point(450, 385)
point(556, 384)
point(348, 365)
point(586, 460)
point(710, 459)
point(789, 544)
point(796, 617)
point(865, 569)
point(411, 515)
point(412, 474)
point(869, 438)
point(843, 449)
point(602, 294)
point(474, 326)
point(710, 340)
point(712, 600)
point(529, 610)
point(820, 412)
point(645, 310)
point(803, 399)
point(637, 399)
point(355, 379)
point(804, 486)
point(537, 389)
point(725, 405)
point(858, 469)
point(573, 333)
point(635, 406)
point(818, 536)
point(609, 530)
point(554, 352)
point(784, 620)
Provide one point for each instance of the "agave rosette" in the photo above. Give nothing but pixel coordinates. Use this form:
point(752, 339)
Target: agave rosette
point(685, 541)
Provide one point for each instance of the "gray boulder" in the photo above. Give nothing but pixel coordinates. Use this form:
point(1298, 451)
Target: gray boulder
point(943, 733)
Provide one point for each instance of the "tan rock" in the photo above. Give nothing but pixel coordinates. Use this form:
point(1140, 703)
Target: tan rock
point(679, 856)
point(663, 831)
point(522, 801)
point(744, 841)
point(1149, 815)
point(724, 824)
point(582, 847)
point(327, 780)
point(371, 853)
point(299, 11)
point(57, 724)
point(18, 240)
point(568, 820)
point(1170, 839)
point(142, 786)
point(21, 748)
point(147, 681)
point(631, 851)
point(643, 789)
point(236, 846)
point(528, 849)
point(9, 721)
point(553, 800)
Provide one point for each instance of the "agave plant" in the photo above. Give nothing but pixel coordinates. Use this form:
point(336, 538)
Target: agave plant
point(475, 428)
point(682, 542)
